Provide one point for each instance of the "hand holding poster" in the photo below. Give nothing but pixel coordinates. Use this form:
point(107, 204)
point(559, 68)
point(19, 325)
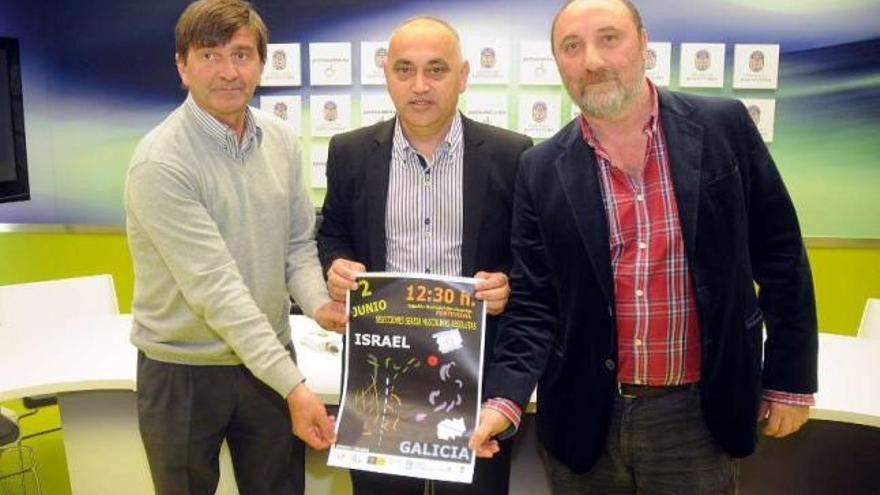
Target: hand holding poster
point(413, 373)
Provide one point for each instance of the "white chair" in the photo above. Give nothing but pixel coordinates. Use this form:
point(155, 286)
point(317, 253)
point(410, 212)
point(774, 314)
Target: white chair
point(869, 328)
point(16, 460)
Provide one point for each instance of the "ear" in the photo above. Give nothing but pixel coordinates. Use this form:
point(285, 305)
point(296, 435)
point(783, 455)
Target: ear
point(181, 70)
point(465, 71)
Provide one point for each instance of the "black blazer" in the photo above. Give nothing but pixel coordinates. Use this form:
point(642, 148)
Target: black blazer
point(739, 228)
point(358, 164)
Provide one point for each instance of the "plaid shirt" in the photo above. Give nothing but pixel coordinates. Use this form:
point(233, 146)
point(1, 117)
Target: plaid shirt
point(658, 328)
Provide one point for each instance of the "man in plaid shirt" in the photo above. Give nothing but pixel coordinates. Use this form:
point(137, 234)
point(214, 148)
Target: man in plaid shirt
point(639, 233)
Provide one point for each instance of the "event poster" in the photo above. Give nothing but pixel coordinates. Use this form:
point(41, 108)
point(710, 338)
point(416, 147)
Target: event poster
point(412, 381)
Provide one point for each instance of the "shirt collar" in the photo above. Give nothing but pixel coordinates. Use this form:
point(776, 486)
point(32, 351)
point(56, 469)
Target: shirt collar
point(223, 135)
point(450, 141)
point(651, 124)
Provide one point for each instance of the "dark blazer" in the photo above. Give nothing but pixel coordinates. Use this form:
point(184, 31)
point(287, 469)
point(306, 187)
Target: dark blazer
point(739, 229)
point(358, 164)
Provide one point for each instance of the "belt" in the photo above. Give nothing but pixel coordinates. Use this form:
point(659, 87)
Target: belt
point(630, 391)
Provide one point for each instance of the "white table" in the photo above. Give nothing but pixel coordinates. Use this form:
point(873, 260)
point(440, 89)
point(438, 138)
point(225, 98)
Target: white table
point(92, 365)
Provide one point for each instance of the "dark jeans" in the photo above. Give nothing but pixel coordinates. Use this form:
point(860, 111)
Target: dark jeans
point(491, 477)
point(185, 412)
point(655, 446)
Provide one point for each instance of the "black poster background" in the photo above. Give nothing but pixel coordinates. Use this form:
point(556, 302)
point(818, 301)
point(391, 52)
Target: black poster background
point(396, 395)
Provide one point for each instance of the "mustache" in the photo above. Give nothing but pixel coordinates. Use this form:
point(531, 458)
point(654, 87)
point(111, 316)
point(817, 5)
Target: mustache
point(596, 77)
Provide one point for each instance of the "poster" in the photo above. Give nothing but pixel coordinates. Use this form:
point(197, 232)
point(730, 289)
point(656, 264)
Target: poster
point(489, 60)
point(539, 115)
point(286, 107)
point(373, 56)
point(536, 64)
point(330, 114)
point(755, 66)
point(330, 64)
point(412, 382)
point(283, 66)
point(488, 107)
point(702, 65)
point(658, 62)
point(763, 114)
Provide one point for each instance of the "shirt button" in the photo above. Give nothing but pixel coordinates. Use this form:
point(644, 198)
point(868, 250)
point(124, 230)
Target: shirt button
point(643, 245)
point(427, 270)
point(640, 197)
point(427, 221)
point(638, 342)
point(637, 381)
point(609, 364)
point(639, 293)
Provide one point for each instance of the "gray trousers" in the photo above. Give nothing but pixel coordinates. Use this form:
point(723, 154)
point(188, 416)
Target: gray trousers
point(184, 414)
point(655, 446)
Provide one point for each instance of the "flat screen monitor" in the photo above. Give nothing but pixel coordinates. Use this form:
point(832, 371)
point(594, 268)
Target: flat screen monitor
point(13, 155)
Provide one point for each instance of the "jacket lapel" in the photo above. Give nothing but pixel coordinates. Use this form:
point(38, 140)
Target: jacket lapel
point(684, 142)
point(475, 177)
point(378, 168)
point(576, 167)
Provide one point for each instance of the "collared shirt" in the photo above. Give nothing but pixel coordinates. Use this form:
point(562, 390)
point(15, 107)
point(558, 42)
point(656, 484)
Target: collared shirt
point(225, 136)
point(658, 329)
point(424, 219)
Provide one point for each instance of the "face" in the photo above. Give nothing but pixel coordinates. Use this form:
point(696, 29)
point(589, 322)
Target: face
point(222, 79)
point(425, 74)
point(600, 56)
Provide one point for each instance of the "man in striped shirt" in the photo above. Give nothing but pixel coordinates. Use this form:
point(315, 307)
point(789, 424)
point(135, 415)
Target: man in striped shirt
point(639, 233)
point(428, 192)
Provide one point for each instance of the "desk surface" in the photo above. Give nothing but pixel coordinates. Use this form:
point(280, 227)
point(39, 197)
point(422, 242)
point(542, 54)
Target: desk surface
point(95, 354)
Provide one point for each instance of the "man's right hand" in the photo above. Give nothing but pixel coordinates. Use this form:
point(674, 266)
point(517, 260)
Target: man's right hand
point(310, 420)
point(483, 440)
point(341, 277)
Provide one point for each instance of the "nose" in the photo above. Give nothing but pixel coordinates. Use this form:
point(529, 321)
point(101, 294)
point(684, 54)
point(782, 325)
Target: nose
point(228, 70)
point(420, 83)
point(592, 59)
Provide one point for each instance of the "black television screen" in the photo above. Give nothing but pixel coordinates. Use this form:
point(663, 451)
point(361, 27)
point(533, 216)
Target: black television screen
point(13, 157)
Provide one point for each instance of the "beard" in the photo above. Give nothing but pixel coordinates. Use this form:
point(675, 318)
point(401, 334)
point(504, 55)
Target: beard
point(604, 94)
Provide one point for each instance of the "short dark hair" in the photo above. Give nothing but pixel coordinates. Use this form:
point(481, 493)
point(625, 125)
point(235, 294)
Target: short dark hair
point(633, 10)
point(207, 23)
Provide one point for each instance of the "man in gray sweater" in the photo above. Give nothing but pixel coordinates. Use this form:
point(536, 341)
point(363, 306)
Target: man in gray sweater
point(221, 234)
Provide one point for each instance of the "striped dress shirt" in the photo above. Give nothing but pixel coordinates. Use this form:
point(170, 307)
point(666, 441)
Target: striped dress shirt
point(424, 218)
point(223, 134)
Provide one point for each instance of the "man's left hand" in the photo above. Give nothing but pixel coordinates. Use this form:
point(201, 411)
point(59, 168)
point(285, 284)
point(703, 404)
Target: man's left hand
point(332, 316)
point(494, 289)
point(782, 419)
